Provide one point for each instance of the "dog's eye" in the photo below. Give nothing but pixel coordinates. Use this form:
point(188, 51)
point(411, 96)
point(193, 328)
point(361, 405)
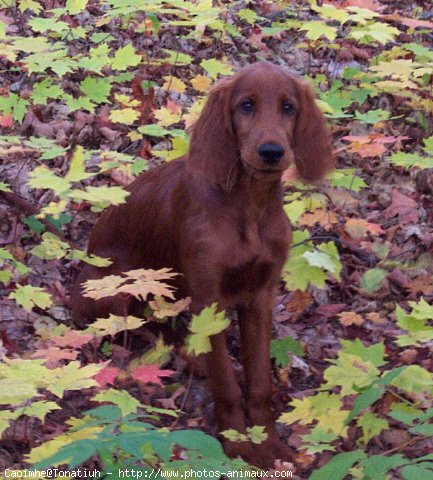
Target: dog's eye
point(247, 106)
point(288, 108)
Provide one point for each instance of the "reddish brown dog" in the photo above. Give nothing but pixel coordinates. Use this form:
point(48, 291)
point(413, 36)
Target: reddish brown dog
point(216, 216)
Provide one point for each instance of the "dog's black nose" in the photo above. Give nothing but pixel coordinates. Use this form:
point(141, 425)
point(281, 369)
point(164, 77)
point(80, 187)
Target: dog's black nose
point(270, 153)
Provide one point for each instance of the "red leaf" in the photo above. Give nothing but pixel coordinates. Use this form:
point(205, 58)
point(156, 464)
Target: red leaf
point(404, 207)
point(150, 374)
point(107, 375)
point(6, 121)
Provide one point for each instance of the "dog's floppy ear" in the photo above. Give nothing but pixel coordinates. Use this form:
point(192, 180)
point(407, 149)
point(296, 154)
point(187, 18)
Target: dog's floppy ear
point(312, 139)
point(213, 149)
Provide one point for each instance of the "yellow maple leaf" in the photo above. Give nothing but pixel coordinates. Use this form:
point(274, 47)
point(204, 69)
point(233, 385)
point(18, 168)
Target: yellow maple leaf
point(126, 116)
point(174, 84)
point(165, 117)
point(201, 83)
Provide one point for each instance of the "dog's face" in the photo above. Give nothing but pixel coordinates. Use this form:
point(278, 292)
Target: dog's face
point(258, 122)
point(264, 105)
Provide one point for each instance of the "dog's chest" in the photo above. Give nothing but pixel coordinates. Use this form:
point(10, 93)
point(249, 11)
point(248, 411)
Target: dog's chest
point(262, 254)
point(247, 277)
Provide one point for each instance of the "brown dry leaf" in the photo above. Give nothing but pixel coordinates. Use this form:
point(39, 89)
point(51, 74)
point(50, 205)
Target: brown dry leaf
point(376, 318)
point(403, 206)
point(298, 301)
point(408, 356)
point(350, 318)
point(170, 403)
point(358, 228)
point(422, 284)
point(325, 219)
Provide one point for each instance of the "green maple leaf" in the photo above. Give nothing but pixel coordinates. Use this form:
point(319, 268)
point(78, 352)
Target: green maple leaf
point(51, 247)
point(338, 467)
point(125, 57)
point(374, 354)
point(404, 159)
point(101, 197)
point(44, 90)
point(43, 177)
point(30, 5)
point(414, 379)
point(38, 409)
point(16, 390)
point(79, 103)
point(348, 179)
point(76, 171)
point(126, 402)
point(97, 89)
point(333, 13)
point(315, 30)
point(372, 280)
point(371, 426)
point(97, 59)
point(72, 377)
point(372, 116)
point(351, 373)
point(428, 145)
point(176, 57)
point(203, 326)
point(76, 6)
point(248, 15)
point(298, 273)
point(374, 31)
point(215, 67)
point(29, 296)
point(39, 24)
point(282, 347)
point(4, 187)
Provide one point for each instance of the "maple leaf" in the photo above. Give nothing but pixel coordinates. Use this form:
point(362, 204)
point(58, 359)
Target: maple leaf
point(107, 376)
point(29, 296)
point(150, 374)
point(125, 57)
point(324, 218)
point(403, 206)
point(148, 282)
point(201, 83)
point(162, 308)
point(53, 356)
point(350, 318)
point(357, 228)
point(114, 324)
point(215, 67)
point(174, 84)
point(72, 338)
point(126, 402)
point(72, 377)
point(126, 115)
point(203, 326)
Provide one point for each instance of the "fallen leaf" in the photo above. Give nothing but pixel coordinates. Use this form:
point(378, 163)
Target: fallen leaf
point(403, 206)
point(107, 376)
point(150, 374)
point(350, 318)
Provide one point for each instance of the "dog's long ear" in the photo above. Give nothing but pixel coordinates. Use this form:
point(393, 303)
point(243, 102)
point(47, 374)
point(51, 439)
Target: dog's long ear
point(312, 139)
point(213, 150)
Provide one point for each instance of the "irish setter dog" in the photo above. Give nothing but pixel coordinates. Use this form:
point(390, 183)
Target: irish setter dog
point(216, 216)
